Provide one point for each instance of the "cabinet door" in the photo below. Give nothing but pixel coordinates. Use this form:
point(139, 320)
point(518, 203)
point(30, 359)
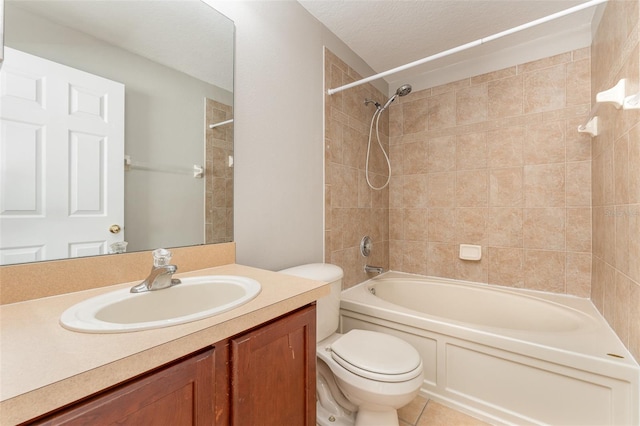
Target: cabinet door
point(273, 372)
point(182, 394)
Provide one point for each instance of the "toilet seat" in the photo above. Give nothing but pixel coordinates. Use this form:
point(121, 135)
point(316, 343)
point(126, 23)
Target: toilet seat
point(377, 356)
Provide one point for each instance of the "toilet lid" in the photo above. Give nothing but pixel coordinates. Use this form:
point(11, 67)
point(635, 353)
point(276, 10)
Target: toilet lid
point(377, 356)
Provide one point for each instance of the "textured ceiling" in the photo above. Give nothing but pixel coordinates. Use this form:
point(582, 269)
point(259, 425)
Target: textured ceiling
point(384, 33)
point(390, 33)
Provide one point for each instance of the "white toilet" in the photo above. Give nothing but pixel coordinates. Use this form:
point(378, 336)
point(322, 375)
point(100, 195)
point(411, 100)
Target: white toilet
point(377, 373)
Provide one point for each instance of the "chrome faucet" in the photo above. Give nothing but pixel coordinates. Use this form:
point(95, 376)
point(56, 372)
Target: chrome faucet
point(160, 275)
point(377, 269)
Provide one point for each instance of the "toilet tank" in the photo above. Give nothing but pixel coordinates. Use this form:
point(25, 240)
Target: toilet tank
point(328, 307)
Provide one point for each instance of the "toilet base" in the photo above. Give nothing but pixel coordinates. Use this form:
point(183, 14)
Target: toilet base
point(361, 418)
point(326, 418)
point(377, 418)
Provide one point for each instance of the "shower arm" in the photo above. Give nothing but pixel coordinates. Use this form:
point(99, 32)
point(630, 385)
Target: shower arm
point(469, 45)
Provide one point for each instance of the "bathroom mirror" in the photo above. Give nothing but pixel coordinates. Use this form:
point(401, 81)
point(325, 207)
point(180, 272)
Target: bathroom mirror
point(117, 126)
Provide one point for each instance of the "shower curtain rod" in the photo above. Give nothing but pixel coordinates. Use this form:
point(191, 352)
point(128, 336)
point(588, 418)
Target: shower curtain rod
point(222, 123)
point(469, 45)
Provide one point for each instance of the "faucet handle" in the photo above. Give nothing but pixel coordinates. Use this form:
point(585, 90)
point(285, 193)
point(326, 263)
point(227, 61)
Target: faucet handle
point(161, 257)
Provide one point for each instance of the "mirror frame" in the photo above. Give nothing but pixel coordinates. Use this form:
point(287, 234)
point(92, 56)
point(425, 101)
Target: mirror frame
point(1, 32)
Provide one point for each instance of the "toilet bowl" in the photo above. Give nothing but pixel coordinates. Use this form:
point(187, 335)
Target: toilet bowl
point(374, 373)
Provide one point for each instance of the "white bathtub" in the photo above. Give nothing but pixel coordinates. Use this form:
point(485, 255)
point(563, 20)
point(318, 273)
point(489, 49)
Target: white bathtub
point(508, 356)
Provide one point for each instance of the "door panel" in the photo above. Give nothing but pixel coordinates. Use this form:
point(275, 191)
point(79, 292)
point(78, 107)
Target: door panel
point(182, 394)
point(273, 373)
point(62, 160)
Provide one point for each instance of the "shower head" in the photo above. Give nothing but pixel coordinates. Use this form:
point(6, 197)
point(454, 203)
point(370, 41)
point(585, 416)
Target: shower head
point(403, 90)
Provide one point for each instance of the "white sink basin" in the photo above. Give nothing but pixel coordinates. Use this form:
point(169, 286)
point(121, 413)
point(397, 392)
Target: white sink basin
point(195, 298)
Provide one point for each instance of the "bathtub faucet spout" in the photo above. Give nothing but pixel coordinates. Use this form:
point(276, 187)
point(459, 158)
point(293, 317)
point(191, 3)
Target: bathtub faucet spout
point(369, 269)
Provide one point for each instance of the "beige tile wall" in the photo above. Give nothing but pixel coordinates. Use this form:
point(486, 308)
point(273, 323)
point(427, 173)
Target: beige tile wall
point(496, 160)
point(352, 209)
point(218, 174)
point(615, 288)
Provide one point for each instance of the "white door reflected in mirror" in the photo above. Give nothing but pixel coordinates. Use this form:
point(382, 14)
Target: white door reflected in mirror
point(62, 171)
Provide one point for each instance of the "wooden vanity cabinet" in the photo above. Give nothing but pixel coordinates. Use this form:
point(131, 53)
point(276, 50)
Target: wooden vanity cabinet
point(273, 373)
point(265, 376)
point(180, 394)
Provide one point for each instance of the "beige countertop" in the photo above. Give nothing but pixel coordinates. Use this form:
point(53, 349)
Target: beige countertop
point(44, 366)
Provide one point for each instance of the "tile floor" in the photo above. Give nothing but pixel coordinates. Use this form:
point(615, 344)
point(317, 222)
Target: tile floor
point(422, 412)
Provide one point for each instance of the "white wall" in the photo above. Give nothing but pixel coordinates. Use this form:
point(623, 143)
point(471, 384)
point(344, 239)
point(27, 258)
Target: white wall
point(279, 152)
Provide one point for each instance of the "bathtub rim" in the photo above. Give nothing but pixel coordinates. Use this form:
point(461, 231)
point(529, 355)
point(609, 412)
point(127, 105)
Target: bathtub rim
point(585, 346)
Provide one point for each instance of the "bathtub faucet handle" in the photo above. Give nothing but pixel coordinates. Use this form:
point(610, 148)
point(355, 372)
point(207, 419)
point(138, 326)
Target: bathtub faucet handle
point(369, 269)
